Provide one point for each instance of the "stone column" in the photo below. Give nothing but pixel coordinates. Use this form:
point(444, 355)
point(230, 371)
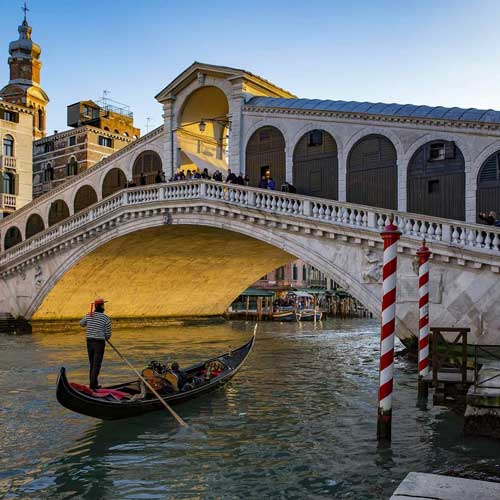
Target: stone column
point(470, 194)
point(170, 143)
point(342, 176)
point(288, 165)
point(402, 168)
point(236, 164)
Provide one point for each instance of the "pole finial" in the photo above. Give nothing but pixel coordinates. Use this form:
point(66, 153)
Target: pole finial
point(25, 9)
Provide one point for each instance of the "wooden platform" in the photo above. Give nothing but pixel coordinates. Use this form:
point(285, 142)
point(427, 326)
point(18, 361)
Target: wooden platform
point(486, 392)
point(419, 486)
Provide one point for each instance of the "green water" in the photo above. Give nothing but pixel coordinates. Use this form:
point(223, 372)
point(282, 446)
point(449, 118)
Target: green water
point(298, 421)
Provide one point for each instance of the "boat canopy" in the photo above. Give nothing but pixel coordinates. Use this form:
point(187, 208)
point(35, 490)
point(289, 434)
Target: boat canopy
point(302, 294)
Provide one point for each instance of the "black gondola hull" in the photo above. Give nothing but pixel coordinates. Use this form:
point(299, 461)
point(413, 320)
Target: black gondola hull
point(114, 410)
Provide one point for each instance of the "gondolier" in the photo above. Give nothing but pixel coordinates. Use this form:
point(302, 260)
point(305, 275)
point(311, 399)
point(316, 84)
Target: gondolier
point(98, 331)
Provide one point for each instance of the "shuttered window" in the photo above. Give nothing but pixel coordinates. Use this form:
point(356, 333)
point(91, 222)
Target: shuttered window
point(490, 170)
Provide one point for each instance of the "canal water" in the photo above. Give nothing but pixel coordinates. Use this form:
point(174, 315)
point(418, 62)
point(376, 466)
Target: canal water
point(298, 422)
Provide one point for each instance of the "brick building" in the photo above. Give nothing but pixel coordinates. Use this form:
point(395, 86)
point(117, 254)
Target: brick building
point(98, 131)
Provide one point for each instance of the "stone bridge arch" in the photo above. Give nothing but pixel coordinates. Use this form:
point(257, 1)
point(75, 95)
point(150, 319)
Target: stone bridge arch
point(197, 256)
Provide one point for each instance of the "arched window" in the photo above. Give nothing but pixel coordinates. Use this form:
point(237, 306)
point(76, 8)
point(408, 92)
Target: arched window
point(125, 134)
point(149, 164)
point(488, 186)
point(85, 197)
point(8, 145)
point(372, 175)
point(265, 156)
point(34, 225)
point(295, 273)
point(304, 273)
point(12, 237)
point(72, 167)
point(113, 181)
point(58, 212)
point(436, 181)
point(40, 120)
point(117, 131)
point(315, 165)
point(9, 183)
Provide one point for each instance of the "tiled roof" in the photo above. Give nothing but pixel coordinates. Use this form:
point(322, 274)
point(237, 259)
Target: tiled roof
point(379, 108)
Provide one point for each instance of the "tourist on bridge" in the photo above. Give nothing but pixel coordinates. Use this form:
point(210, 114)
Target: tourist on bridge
point(98, 331)
point(489, 219)
point(271, 184)
point(142, 179)
point(231, 178)
point(217, 176)
point(246, 180)
point(263, 182)
point(240, 181)
point(159, 177)
point(205, 174)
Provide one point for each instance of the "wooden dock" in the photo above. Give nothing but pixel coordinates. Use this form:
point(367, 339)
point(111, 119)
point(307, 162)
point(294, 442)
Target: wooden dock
point(420, 486)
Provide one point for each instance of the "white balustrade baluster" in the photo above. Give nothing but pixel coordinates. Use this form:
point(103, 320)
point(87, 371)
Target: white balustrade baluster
point(455, 235)
point(479, 239)
point(345, 215)
point(423, 229)
point(352, 217)
point(358, 218)
point(471, 238)
point(438, 233)
point(314, 209)
point(273, 203)
point(496, 242)
point(430, 232)
point(365, 219)
point(415, 228)
point(380, 221)
point(487, 241)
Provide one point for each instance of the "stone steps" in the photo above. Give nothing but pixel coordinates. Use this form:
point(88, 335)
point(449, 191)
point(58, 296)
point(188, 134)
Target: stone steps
point(13, 326)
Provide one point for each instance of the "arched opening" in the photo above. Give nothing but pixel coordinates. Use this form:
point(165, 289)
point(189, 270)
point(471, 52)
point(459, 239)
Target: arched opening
point(372, 176)
point(72, 167)
point(41, 124)
point(265, 156)
point(488, 186)
point(48, 173)
point(202, 136)
point(84, 197)
point(316, 166)
point(149, 164)
point(113, 181)
point(436, 181)
point(12, 237)
point(58, 212)
point(8, 183)
point(34, 225)
point(8, 146)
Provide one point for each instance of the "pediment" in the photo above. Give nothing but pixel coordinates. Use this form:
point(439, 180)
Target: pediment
point(198, 69)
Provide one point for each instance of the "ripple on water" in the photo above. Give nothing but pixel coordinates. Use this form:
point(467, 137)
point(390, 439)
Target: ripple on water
point(299, 421)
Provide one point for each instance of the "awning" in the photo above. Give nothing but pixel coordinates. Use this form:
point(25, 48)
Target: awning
point(202, 162)
point(302, 294)
point(256, 292)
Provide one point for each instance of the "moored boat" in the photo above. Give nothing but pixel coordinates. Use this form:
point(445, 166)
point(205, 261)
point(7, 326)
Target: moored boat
point(309, 315)
point(79, 401)
point(285, 314)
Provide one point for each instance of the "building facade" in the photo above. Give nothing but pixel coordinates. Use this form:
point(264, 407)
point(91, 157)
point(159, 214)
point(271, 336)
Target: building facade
point(16, 139)
point(98, 132)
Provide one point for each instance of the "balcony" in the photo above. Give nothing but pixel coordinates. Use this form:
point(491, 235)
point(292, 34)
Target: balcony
point(7, 201)
point(8, 162)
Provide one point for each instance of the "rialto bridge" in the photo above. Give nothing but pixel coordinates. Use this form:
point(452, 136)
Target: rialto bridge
point(189, 248)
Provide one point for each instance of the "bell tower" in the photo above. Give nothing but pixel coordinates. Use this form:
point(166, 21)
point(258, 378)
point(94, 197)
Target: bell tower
point(24, 84)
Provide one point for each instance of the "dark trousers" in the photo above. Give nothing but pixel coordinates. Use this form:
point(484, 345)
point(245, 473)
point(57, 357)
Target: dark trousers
point(95, 348)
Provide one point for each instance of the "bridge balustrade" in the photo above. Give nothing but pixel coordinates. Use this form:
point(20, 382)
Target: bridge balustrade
point(478, 238)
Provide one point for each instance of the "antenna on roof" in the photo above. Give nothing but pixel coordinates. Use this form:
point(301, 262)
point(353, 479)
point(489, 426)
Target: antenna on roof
point(148, 119)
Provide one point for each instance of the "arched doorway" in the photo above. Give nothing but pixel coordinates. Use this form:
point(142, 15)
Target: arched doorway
point(113, 181)
point(316, 166)
point(85, 197)
point(436, 181)
point(12, 237)
point(58, 212)
point(203, 133)
point(372, 176)
point(149, 163)
point(34, 225)
point(488, 186)
point(265, 155)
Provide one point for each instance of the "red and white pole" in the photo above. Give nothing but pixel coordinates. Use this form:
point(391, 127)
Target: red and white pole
point(390, 235)
point(423, 254)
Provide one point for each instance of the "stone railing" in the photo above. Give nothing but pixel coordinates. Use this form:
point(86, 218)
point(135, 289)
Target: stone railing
point(7, 162)
point(8, 201)
point(477, 238)
point(70, 181)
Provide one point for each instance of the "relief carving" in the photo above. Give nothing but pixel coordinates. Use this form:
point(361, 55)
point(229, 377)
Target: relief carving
point(372, 273)
point(38, 276)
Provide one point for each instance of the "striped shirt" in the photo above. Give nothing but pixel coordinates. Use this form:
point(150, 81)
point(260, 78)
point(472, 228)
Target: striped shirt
point(98, 325)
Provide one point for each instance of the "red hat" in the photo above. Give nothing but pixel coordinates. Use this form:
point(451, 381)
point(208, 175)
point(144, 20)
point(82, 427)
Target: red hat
point(97, 302)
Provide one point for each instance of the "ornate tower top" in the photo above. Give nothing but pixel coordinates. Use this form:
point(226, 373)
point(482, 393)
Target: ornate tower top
point(24, 83)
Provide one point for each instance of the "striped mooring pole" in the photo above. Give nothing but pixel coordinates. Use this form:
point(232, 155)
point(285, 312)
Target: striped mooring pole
point(390, 235)
point(423, 254)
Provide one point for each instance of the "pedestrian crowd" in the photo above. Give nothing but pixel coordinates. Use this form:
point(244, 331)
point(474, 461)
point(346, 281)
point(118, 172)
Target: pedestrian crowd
point(266, 182)
point(491, 219)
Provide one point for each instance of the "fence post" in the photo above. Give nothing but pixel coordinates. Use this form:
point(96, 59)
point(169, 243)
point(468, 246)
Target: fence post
point(390, 235)
point(423, 254)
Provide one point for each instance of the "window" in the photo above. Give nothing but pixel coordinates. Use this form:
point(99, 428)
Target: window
point(105, 141)
point(9, 184)
point(10, 116)
point(72, 167)
point(8, 145)
point(315, 138)
point(280, 273)
point(117, 131)
point(433, 186)
point(437, 151)
point(72, 140)
point(304, 273)
point(49, 173)
point(48, 146)
point(295, 275)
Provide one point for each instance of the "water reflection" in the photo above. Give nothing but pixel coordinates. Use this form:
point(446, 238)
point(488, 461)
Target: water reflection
point(299, 420)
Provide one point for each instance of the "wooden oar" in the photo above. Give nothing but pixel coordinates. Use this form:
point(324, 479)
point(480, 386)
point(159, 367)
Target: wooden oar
point(152, 389)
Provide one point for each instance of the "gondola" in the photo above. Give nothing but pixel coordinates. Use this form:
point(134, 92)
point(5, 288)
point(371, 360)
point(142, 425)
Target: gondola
point(91, 406)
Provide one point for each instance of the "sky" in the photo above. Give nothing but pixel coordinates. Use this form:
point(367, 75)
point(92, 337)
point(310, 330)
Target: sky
point(440, 52)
